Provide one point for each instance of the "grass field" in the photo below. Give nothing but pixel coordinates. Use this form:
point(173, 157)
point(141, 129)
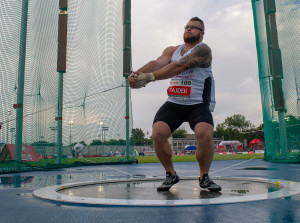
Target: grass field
point(191, 158)
point(49, 164)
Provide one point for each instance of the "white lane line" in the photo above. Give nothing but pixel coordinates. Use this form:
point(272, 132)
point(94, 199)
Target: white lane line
point(231, 166)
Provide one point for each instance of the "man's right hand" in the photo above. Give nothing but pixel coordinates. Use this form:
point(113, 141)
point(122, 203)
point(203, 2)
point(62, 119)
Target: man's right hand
point(132, 79)
point(140, 80)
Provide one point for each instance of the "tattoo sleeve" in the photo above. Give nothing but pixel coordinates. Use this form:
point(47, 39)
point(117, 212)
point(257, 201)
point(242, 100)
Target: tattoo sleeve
point(199, 57)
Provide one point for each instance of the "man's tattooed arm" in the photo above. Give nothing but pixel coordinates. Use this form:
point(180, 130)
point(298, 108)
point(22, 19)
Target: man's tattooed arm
point(199, 57)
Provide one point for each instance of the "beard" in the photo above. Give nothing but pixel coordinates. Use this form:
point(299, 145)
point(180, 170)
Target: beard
point(191, 39)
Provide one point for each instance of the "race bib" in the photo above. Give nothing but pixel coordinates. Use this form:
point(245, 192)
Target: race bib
point(180, 89)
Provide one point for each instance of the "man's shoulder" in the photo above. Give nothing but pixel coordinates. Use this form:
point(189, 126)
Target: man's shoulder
point(202, 45)
point(175, 47)
point(202, 48)
point(170, 50)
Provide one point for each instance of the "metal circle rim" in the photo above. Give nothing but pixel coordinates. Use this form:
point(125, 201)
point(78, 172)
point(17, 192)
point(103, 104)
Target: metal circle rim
point(51, 193)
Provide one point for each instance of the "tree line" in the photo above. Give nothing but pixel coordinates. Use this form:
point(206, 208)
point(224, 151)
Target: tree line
point(235, 127)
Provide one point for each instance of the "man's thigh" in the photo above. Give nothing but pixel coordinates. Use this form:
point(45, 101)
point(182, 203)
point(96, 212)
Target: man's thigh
point(170, 114)
point(200, 113)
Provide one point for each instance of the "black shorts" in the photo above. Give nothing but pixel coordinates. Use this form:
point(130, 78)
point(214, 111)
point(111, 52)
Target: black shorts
point(174, 114)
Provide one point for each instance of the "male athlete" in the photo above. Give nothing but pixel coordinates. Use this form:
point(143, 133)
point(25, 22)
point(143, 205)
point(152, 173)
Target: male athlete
point(191, 98)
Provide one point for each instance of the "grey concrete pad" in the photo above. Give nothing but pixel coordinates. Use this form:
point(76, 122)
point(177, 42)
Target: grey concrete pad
point(17, 204)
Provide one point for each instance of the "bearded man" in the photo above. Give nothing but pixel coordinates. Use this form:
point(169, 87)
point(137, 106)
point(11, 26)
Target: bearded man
point(191, 98)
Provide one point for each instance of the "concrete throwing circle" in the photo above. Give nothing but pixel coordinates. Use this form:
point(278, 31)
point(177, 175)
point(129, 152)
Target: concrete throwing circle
point(142, 192)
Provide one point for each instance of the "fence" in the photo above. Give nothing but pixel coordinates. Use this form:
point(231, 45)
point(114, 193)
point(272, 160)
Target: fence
point(277, 31)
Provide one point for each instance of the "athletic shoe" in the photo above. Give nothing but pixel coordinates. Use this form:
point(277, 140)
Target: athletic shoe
point(206, 182)
point(168, 182)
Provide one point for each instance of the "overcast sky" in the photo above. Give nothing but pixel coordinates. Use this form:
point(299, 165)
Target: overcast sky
point(229, 31)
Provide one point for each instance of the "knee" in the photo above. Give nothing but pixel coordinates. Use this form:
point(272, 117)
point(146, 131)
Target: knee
point(204, 136)
point(159, 136)
point(160, 133)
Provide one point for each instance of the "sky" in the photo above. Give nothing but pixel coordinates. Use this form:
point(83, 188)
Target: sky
point(229, 31)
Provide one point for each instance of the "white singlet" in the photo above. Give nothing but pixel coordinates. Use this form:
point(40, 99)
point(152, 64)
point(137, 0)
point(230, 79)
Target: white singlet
point(193, 86)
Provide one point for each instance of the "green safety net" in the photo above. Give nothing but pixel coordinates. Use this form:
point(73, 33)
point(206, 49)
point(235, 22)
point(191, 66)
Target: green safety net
point(94, 89)
point(277, 30)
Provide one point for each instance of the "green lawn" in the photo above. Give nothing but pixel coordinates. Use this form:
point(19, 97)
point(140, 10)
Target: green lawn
point(52, 163)
point(190, 158)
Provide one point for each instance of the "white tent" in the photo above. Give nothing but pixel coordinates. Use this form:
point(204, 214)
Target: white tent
point(234, 142)
point(231, 143)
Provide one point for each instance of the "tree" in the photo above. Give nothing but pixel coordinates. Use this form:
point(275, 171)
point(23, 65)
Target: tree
point(226, 133)
point(238, 122)
point(233, 127)
point(220, 131)
point(139, 136)
point(260, 127)
point(179, 133)
point(43, 143)
point(96, 142)
point(110, 142)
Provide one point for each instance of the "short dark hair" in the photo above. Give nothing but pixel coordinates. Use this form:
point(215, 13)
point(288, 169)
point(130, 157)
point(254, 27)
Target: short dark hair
point(199, 20)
